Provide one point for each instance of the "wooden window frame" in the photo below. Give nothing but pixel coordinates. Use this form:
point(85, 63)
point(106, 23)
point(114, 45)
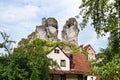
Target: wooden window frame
point(56, 51)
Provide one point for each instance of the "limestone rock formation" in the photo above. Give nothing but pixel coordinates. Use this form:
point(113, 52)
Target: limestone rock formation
point(47, 31)
point(70, 31)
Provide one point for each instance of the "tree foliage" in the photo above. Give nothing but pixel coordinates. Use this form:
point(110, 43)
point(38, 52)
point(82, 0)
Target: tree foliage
point(34, 75)
point(7, 43)
point(104, 14)
point(108, 70)
point(107, 65)
point(26, 62)
point(49, 45)
point(105, 17)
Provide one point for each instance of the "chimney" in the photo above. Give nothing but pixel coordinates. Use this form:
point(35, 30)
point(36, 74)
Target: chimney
point(71, 60)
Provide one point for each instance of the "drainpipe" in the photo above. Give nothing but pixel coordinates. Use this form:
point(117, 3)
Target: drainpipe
point(71, 60)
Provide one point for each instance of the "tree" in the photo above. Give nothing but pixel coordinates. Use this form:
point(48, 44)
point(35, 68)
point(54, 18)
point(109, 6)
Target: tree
point(105, 16)
point(6, 44)
point(108, 70)
point(4, 59)
point(36, 59)
point(35, 55)
point(17, 68)
point(25, 62)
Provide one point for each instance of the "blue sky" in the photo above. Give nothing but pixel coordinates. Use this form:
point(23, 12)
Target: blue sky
point(19, 17)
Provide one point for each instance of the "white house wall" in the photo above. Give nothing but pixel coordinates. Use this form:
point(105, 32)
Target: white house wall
point(58, 57)
point(91, 53)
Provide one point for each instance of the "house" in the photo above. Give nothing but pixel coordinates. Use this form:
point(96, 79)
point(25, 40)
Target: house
point(91, 52)
point(72, 66)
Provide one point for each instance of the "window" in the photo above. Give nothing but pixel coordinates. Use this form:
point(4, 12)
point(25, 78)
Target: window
point(63, 63)
point(56, 51)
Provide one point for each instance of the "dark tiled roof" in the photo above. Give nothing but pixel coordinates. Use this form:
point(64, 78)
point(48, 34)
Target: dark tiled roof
point(80, 64)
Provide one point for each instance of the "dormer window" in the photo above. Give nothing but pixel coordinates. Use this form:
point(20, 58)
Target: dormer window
point(62, 63)
point(56, 51)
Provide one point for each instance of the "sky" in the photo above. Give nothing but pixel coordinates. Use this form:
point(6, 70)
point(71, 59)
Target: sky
point(19, 18)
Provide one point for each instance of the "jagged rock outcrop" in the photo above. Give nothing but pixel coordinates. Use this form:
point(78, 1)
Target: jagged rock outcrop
point(47, 31)
point(70, 31)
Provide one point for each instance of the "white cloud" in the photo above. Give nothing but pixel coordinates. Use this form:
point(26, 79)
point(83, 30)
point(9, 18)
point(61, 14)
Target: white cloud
point(33, 8)
point(16, 14)
point(3, 28)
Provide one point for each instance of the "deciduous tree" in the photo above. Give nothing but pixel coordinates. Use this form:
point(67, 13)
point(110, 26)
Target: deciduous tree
point(105, 17)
